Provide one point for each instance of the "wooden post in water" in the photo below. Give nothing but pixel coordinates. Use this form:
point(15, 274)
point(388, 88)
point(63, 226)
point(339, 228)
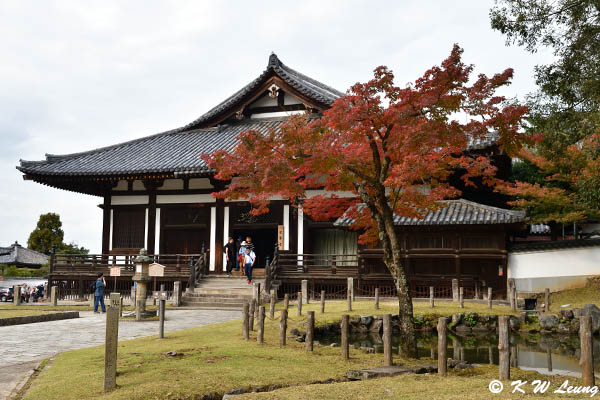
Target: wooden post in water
point(345, 342)
point(322, 302)
point(513, 297)
point(549, 359)
point(461, 297)
point(282, 327)
point(587, 350)
point(245, 320)
point(272, 306)
point(377, 298)
point(299, 303)
point(547, 300)
point(490, 298)
point(503, 347)
point(442, 346)
point(110, 348)
point(310, 330)
point(387, 340)
point(286, 301)
point(251, 315)
point(431, 291)
point(261, 325)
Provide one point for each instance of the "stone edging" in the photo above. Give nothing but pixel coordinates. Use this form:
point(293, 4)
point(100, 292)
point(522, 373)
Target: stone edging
point(39, 318)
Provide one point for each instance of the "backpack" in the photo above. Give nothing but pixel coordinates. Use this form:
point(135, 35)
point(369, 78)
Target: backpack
point(93, 287)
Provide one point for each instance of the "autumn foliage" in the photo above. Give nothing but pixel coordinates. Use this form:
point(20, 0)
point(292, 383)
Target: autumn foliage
point(405, 141)
point(391, 148)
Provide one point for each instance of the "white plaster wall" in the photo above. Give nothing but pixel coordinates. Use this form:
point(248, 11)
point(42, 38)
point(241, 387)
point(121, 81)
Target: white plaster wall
point(558, 269)
point(213, 238)
point(286, 227)
point(138, 185)
point(157, 233)
point(200, 183)
point(184, 198)
point(128, 200)
point(172, 184)
point(121, 185)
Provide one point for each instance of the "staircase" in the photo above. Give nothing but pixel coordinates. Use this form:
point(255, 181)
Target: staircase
point(219, 292)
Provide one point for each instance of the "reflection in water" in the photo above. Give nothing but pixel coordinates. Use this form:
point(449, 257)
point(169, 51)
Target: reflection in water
point(553, 354)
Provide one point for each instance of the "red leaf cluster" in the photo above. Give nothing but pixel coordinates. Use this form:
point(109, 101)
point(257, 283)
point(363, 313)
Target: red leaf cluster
point(393, 147)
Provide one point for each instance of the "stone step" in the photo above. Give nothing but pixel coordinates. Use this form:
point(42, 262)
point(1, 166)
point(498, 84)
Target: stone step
point(214, 305)
point(214, 300)
point(220, 295)
point(218, 291)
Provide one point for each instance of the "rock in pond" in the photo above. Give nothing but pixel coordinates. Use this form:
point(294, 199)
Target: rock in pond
point(548, 321)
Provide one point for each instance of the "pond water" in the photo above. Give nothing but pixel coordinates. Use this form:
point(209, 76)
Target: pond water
point(548, 354)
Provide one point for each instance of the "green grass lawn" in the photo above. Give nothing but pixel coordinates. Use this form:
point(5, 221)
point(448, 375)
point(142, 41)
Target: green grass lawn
point(466, 384)
point(590, 294)
point(215, 359)
point(22, 313)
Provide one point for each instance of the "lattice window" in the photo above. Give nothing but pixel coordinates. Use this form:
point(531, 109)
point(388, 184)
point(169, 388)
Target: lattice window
point(128, 229)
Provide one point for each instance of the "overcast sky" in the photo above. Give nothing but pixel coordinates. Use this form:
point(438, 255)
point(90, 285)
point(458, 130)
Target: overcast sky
point(76, 75)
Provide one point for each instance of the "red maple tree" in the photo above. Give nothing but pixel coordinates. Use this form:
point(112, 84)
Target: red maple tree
point(392, 147)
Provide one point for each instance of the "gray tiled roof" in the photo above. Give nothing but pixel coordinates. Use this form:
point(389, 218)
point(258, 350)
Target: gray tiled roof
point(171, 151)
point(546, 245)
point(179, 150)
point(16, 254)
point(455, 212)
point(304, 84)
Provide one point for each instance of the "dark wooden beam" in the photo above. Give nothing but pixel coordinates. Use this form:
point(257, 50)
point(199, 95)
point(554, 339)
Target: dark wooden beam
point(106, 224)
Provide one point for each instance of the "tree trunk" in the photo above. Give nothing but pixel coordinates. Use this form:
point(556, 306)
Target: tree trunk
point(392, 257)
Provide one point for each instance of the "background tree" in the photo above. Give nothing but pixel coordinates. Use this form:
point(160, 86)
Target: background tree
point(394, 148)
point(566, 106)
point(48, 233)
point(554, 180)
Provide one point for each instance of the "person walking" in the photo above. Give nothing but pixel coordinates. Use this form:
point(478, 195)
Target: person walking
point(230, 255)
point(249, 259)
point(99, 293)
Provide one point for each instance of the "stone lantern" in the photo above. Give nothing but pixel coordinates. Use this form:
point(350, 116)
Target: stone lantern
point(142, 277)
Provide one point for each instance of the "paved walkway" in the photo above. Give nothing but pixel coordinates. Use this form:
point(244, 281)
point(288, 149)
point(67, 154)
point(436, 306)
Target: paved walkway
point(22, 346)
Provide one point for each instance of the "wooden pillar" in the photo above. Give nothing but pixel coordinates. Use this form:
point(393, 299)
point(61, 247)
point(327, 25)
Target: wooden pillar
point(150, 240)
point(286, 301)
point(299, 303)
point(106, 224)
point(387, 340)
point(504, 348)
point(377, 298)
point(310, 330)
point(245, 325)
point(431, 301)
point(283, 327)
point(587, 351)
point(345, 343)
point(217, 247)
point(442, 346)
point(261, 325)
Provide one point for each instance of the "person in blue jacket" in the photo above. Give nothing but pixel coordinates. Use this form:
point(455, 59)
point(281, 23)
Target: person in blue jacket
point(99, 293)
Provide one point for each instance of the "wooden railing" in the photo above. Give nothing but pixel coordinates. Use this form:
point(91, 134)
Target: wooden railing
point(338, 265)
point(177, 265)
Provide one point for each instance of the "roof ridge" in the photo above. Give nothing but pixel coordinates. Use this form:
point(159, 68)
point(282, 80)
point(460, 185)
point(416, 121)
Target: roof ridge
point(484, 206)
point(311, 80)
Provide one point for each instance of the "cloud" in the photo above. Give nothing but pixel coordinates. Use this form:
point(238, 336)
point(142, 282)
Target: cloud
point(81, 75)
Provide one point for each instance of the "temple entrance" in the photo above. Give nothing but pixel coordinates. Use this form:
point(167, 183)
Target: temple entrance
point(264, 240)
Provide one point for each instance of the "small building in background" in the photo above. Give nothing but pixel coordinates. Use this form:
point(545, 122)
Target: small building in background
point(20, 256)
